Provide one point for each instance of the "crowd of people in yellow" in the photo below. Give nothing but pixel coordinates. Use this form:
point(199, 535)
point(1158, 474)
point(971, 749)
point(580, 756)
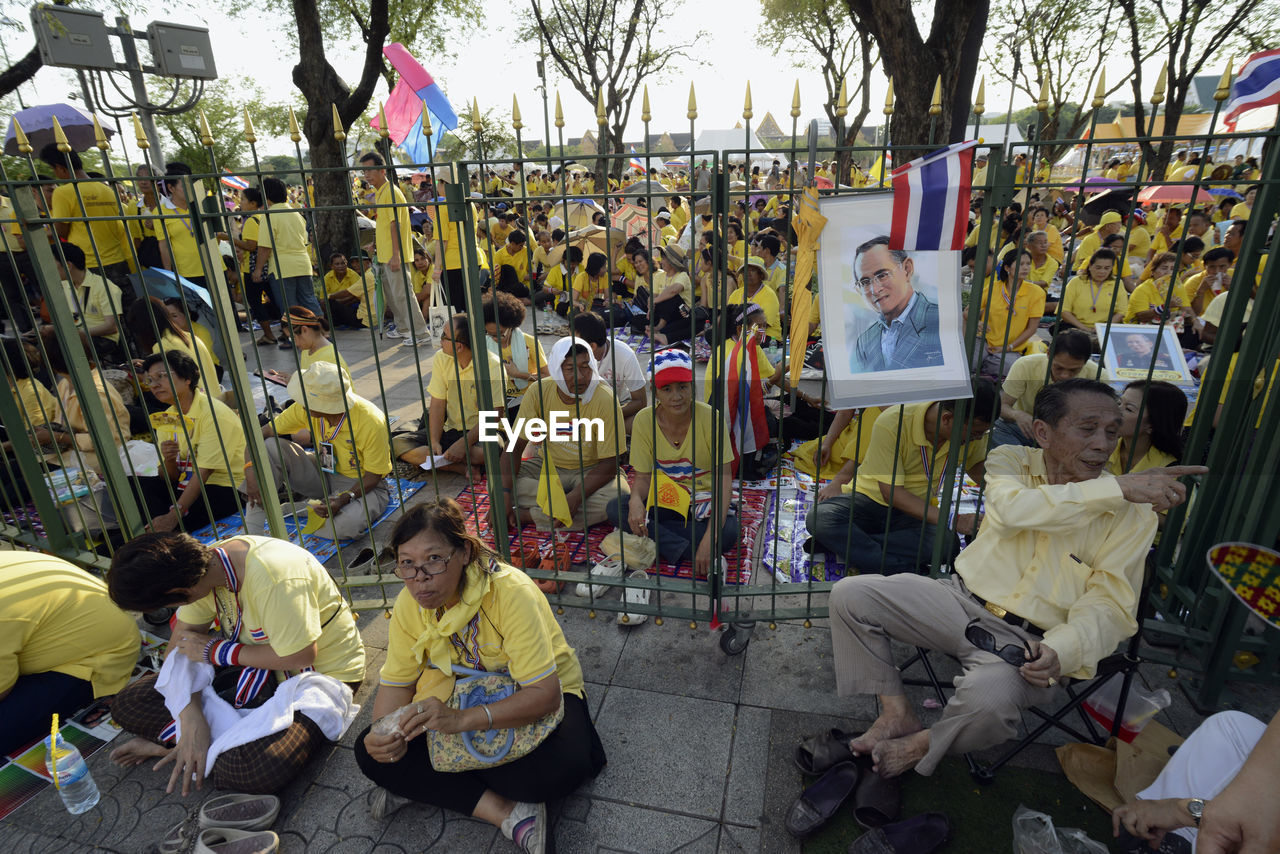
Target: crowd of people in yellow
point(1076, 476)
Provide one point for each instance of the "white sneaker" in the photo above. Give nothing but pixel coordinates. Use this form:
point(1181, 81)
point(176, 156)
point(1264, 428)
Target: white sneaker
point(526, 826)
point(411, 342)
point(610, 567)
point(390, 331)
point(635, 596)
point(382, 803)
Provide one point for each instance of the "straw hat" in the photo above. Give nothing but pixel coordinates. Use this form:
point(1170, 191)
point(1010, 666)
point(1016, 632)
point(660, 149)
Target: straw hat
point(675, 256)
point(322, 387)
point(757, 261)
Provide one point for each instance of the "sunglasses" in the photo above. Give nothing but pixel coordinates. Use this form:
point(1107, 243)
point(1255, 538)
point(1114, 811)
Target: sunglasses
point(985, 641)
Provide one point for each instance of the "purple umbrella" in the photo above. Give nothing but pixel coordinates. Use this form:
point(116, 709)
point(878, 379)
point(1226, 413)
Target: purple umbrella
point(37, 124)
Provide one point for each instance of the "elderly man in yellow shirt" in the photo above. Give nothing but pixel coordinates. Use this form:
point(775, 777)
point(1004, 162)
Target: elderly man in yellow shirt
point(1048, 587)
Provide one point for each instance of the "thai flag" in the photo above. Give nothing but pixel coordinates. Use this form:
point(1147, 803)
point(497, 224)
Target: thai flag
point(635, 163)
point(235, 182)
point(1258, 85)
point(931, 200)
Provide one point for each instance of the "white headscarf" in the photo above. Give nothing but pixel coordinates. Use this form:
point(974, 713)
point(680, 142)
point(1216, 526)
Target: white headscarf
point(555, 365)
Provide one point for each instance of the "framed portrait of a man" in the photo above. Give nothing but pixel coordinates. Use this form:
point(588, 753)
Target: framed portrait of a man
point(891, 320)
point(1134, 349)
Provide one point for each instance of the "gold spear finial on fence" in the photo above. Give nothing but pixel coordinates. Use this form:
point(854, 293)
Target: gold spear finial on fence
point(249, 136)
point(338, 133)
point(24, 144)
point(383, 132)
point(99, 137)
point(59, 137)
point(476, 124)
point(888, 100)
point(138, 133)
point(1042, 103)
point(645, 115)
point(1223, 92)
point(206, 135)
point(980, 103)
point(693, 104)
point(1100, 93)
point(935, 105)
point(426, 120)
point(842, 100)
point(795, 101)
point(295, 133)
point(515, 113)
point(602, 118)
point(559, 113)
point(746, 104)
point(1158, 95)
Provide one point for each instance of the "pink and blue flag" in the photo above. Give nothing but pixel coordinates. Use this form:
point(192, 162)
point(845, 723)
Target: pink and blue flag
point(931, 200)
point(1257, 85)
point(404, 106)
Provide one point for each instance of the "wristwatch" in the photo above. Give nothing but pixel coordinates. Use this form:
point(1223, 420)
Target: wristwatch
point(1195, 806)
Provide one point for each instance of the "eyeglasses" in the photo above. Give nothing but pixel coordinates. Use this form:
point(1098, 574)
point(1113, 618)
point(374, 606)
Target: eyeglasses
point(407, 570)
point(878, 277)
point(984, 640)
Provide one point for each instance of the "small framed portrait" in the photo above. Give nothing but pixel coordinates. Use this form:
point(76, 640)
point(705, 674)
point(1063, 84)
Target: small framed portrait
point(1134, 350)
point(891, 320)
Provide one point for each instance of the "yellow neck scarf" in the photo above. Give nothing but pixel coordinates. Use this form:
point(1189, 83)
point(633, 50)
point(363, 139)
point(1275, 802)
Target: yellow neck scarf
point(433, 647)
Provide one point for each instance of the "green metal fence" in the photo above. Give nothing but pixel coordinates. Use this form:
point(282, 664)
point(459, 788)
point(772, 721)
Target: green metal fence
point(1234, 429)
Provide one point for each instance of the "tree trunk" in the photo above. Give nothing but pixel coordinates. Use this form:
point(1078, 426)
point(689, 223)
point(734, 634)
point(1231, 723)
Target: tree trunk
point(320, 84)
point(951, 51)
point(20, 72)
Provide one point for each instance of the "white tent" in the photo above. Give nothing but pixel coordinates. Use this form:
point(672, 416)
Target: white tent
point(737, 140)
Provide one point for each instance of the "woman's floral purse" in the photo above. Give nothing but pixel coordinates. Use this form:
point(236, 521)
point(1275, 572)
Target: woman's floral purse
point(475, 749)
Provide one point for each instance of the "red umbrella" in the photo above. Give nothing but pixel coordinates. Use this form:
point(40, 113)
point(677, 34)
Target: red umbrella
point(1175, 194)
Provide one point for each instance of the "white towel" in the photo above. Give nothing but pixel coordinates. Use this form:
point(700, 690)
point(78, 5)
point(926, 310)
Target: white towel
point(321, 698)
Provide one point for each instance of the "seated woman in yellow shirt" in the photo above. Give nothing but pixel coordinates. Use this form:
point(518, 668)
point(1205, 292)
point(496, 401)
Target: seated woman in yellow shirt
point(201, 444)
point(1156, 440)
point(1010, 314)
point(277, 613)
point(153, 331)
point(1094, 297)
point(63, 644)
point(1147, 302)
point(311, 338)
point(462, 607)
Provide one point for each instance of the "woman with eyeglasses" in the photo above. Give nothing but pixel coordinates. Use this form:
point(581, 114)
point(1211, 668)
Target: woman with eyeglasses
point(460, 606)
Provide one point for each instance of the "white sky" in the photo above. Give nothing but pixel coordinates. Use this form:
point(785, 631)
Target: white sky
point(490, 69)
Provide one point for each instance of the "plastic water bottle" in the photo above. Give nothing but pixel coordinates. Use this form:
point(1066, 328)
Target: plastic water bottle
point(75, 783)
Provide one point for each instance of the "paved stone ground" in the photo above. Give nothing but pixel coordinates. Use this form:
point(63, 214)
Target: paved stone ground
point(699, 743)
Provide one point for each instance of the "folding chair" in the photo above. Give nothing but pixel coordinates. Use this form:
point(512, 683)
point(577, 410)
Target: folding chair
point(1123, 664)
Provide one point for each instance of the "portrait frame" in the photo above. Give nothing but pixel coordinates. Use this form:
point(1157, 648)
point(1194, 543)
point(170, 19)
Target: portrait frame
point(847, 315)
point(1126, 363)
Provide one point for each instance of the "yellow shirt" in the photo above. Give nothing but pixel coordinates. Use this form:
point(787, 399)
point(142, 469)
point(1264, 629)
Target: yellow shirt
point(37, 403)
point(1239, 211)
point(777, 278)
point(173, 226)
point(55, 617)
point(194, 348)
point(387, 217)
point(767, 299)
point(287, 601)
point(515, 632)
point(590, 289)
point(543, 401)
point(1027, 376)
point(459, 388)
point(1043, 274)
point(1091, 303)
point(669, 234)
point(96, 300)
point(1084, 250)
point(109, 237)
point(360, 440)
point(218, 438)
point(1147, 296)
point(679, 217)
point(516, 258)
point(1069, 558)
point(680, 278)
point(1153, 458)
point(1139, 244)
point(249, 233)
point(365, 289)
point(536, 360)
point(332, 284)
point(1055, 242)
point(285, 234)
point(916, 467)
point(692, 464)
point(327, 353)
point(1027, 304)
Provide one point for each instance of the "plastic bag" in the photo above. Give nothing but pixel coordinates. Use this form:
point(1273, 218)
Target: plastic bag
point(1034, 833)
